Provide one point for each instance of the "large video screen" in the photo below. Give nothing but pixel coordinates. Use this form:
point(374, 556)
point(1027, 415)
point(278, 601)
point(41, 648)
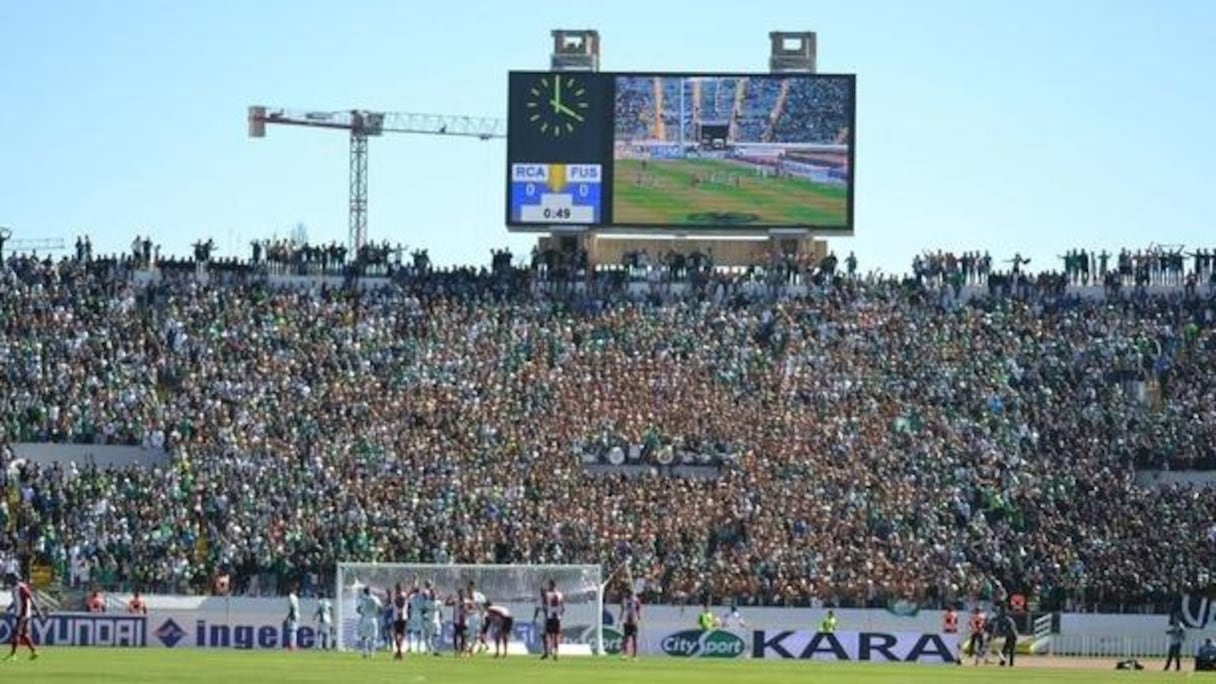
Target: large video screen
point(681, 151)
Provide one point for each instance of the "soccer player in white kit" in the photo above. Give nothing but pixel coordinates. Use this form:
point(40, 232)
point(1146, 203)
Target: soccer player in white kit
point(734, 620)
point(369, 609)
point(432, 619)
point(325, 623)
point(416, 612)
point(293, 619)
point(475, 620)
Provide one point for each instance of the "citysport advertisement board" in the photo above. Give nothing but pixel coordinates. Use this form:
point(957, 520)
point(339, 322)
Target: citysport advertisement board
point(690, 643)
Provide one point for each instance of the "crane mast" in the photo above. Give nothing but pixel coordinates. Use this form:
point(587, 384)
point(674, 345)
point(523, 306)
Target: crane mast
point(363, 124)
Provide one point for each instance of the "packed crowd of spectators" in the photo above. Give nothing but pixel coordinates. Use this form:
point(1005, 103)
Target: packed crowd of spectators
point(716, 101)
point(756, 113)
point(1156, 266)
point(711, 102)
point(873, 441)
point(815, 110)
point(634, 108)
point(298, 257)
point(1137, 270)
point(811, 110)
point(673, 118)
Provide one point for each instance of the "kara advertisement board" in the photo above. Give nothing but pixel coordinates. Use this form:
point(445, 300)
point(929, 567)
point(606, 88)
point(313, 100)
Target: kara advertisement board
point(879, 647)
point(866, 647)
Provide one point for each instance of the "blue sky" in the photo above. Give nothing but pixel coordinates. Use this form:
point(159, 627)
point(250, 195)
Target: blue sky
point(1032, 126)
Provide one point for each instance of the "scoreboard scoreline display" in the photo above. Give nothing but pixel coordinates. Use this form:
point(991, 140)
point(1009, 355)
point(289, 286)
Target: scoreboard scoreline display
point(680, 150)
point(553, 194)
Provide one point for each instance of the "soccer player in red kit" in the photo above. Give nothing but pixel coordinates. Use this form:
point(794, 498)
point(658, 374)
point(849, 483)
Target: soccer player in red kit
point(460, 623)
point(23, 608)
point(552, 606)
point(498, 620)
point(137, 606)
point(400, 610)
point(631, 617)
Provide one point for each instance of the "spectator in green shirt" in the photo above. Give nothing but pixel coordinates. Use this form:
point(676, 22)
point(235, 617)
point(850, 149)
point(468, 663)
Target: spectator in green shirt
point(828, 625)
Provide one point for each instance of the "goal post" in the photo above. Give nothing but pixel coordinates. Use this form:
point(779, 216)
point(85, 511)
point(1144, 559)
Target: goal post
point(516, 587)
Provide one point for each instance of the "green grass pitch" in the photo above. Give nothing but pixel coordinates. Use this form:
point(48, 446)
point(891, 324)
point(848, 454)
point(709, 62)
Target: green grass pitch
point(667, 195)
point(62, 665)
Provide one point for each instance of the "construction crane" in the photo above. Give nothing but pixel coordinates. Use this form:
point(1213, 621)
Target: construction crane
point(27, 245)
point(364, 124)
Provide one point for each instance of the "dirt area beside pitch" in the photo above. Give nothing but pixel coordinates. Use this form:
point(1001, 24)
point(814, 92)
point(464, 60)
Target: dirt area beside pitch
point(1071, 663)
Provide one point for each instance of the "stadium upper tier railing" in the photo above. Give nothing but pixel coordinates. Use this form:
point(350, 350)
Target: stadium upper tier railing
point(685, 269)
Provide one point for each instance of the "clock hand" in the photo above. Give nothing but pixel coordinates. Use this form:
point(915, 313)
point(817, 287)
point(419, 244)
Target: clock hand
point(557, 94)
point(563, 109)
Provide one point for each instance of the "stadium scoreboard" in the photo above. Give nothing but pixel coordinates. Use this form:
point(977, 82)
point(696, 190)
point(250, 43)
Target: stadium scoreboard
point(557, 142)
point(680, 150)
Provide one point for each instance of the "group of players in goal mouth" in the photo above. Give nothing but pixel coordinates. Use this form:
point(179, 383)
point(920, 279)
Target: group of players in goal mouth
point(417, 620)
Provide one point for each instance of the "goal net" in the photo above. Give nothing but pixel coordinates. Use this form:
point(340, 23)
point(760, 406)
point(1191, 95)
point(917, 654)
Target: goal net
point(516, 587)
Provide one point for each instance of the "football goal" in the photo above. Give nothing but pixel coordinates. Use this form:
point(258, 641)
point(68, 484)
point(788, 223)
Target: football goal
point(515, 587)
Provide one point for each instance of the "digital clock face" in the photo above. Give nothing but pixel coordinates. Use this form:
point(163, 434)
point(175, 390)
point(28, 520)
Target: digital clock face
point(558, 104)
